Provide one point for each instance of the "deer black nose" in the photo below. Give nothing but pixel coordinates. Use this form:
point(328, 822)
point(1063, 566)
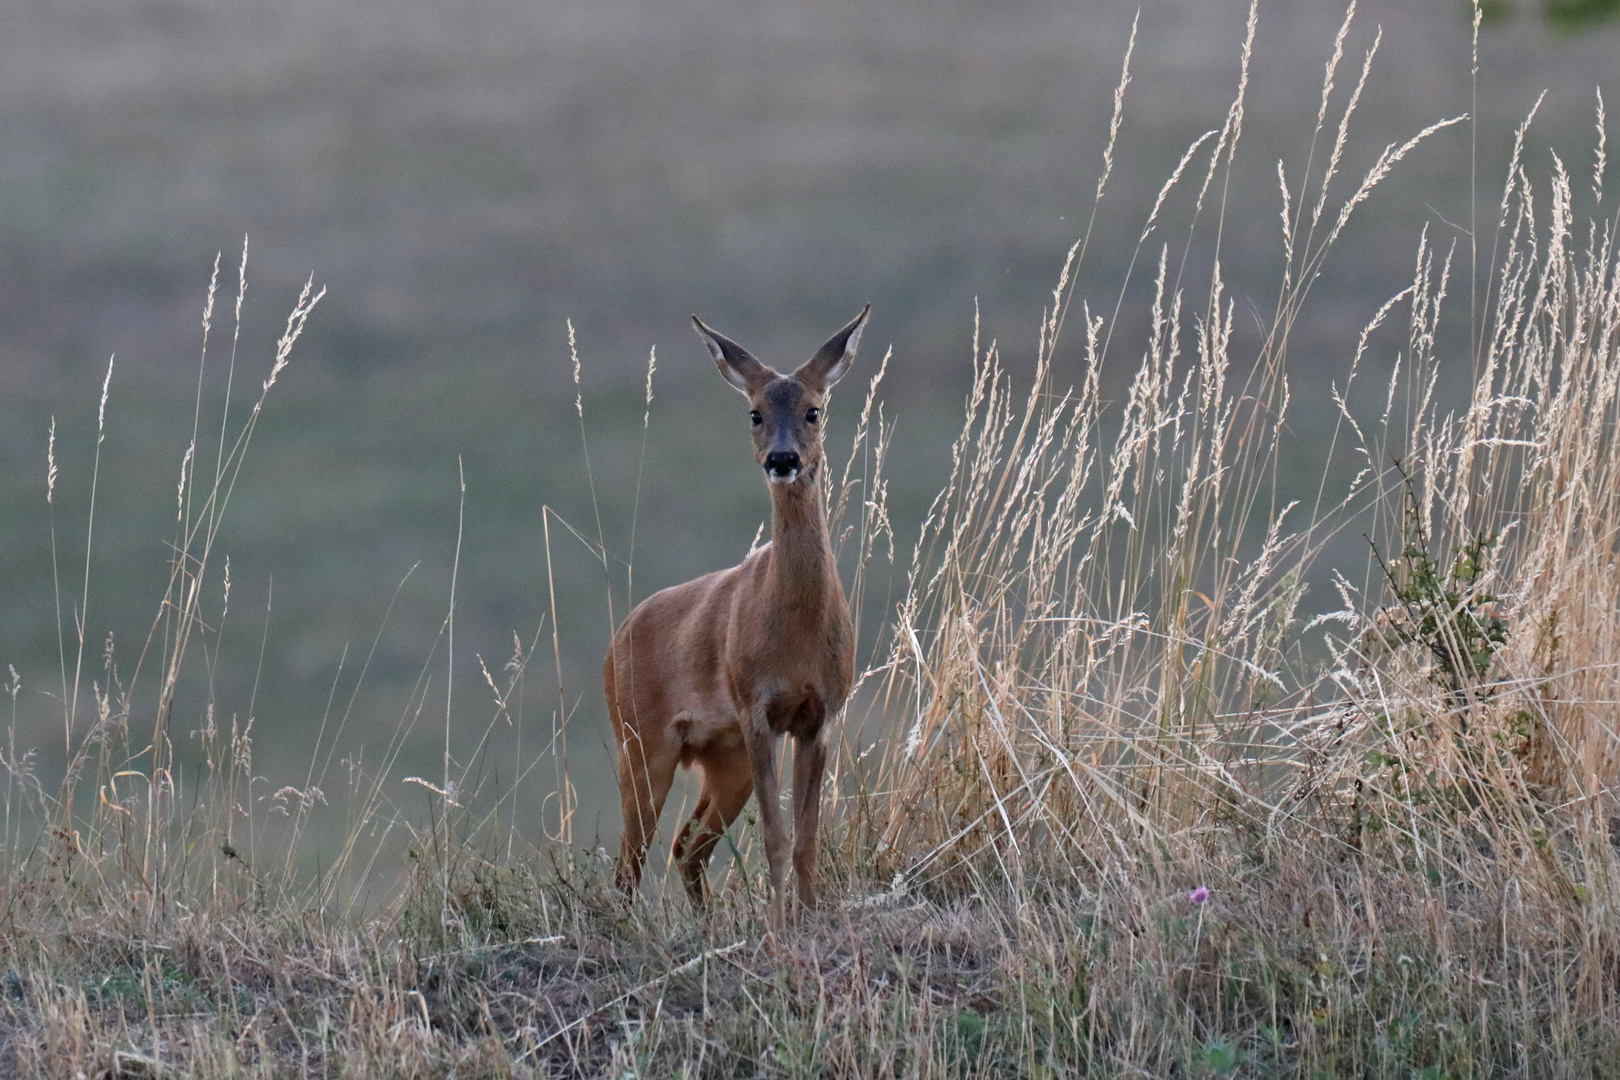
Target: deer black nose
point(782, 464)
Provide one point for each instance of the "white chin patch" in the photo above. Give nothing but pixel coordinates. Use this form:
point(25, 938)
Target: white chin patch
point(783, 478)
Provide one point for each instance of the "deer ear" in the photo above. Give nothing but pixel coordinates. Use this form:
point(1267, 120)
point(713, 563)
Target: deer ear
point(736, 364)
point(833, 359)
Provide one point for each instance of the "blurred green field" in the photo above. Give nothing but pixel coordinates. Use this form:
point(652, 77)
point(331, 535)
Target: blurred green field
point(463, 178)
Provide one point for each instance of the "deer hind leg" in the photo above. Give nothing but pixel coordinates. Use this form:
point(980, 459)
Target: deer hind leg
point(645, 775)
point(727, 783)
point(809, 764)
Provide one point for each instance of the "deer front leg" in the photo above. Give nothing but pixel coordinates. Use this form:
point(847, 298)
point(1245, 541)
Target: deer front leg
point(762, 755)
point(809, 764)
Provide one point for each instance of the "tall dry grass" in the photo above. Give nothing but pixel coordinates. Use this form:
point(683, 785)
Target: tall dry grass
point(1126, 797)
point(1112, 703)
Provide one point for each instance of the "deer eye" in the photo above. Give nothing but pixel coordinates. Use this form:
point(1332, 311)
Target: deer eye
point(755, 418)
point(812, 416)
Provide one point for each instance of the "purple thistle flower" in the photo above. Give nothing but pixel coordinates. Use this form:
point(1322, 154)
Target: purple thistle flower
point(1199, 895)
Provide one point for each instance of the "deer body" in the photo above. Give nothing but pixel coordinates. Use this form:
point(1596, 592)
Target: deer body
point(709, 674)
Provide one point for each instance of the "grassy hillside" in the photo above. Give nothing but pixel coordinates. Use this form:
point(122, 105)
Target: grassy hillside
point(1119, 794)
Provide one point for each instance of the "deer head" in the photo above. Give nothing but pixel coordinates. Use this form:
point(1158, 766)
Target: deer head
point(786, 411)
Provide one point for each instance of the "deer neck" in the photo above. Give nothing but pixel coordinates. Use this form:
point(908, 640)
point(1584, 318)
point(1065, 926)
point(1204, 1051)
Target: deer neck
point(801, 556)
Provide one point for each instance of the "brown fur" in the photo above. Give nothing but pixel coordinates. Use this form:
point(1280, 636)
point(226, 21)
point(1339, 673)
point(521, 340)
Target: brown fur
point(708, 674)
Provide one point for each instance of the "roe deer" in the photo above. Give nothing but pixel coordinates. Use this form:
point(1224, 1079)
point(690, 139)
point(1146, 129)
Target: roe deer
point(709, 673)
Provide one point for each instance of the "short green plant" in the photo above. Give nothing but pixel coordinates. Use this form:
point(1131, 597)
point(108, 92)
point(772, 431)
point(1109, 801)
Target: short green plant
point(1440, 607)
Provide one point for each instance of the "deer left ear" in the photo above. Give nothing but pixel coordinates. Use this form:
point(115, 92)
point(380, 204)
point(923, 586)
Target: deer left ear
point(833, 359)
point(737, 365)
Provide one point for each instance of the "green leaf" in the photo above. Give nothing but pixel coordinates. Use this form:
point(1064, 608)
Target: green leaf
point(1221, 1057)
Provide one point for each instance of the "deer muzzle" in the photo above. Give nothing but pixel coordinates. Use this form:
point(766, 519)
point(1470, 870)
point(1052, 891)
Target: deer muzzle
point(782, 466)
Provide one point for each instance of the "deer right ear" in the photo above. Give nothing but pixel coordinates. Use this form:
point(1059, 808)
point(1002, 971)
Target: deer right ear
point(736, 365)
point(835, 357)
